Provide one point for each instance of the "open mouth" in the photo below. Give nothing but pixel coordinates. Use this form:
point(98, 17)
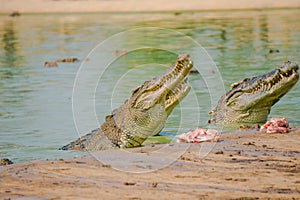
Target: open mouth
point(177, 93)
point(167, 89)
point(276, 82)
point(285, 74)
point(177, 86)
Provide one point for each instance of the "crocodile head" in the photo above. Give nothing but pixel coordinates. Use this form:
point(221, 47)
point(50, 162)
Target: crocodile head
point(165, 90)
point(146, 111)
point(250, 101)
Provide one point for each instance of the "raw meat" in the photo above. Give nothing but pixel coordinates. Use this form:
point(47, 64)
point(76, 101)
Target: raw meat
point(199, 135)
point(276, 125)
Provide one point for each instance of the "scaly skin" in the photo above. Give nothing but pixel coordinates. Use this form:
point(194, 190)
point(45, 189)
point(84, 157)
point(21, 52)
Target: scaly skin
point(143, 114)
point(250, 101)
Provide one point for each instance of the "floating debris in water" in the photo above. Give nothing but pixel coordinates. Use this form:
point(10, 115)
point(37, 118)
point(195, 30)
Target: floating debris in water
point(50, 64)
point(118, 53)
point(274, 51)
point(68, 60)
point(63, 60)
point(15, 14)
point(177, 13)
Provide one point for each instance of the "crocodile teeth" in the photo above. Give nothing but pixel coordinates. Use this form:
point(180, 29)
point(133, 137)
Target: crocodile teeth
point(269, 85)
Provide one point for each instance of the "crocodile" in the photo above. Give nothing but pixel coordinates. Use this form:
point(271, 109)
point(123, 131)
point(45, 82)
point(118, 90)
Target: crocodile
point(143, 114)
point(250, 100)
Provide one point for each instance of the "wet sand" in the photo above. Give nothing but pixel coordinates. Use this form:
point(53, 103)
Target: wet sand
point(80, 6)
point(240, 166)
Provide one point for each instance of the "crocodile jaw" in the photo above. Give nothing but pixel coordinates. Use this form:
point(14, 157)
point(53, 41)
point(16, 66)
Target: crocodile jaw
point(166, 90)
point(250, 100)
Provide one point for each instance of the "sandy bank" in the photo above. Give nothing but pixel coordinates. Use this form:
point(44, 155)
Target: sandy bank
point(79, 6)
point(241, 166)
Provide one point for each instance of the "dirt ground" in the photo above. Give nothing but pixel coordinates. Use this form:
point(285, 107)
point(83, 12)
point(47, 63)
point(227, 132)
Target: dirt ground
point(240, 166)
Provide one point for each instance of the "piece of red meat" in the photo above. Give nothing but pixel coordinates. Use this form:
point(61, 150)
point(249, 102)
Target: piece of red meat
point(199, 135)
point(276, 125)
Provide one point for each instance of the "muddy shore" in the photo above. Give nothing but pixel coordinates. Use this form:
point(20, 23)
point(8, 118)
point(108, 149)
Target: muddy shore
point(241, 166)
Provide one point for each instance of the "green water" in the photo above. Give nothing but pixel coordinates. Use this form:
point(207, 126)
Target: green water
point(36, 110)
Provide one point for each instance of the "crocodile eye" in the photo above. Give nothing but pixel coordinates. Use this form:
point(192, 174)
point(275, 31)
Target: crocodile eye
point(231, 103)
point(246, 79)
point(135, 90)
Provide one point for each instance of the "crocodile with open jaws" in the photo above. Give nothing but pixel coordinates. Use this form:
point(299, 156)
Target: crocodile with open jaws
point(143, 114)
point(250, 101)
